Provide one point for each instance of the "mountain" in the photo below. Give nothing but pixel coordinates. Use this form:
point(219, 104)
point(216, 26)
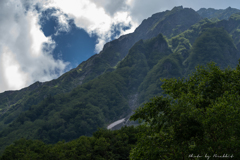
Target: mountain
point(219, 14)
point(124, 75)
point(12, 103)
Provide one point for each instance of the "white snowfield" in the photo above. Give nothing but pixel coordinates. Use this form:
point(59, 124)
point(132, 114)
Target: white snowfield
point(115, 123)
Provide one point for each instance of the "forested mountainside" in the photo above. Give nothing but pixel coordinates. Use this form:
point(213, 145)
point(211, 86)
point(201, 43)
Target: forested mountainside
point(12, 103)
point(217, 14)
point(104, 144)
point(124, 75)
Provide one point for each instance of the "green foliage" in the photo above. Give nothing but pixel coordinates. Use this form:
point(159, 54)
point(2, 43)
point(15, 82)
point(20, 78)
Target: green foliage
point(199, 116)
point(221, 14)
point(91, 105)
point(104, 144)
point(235, 17)
point(13, 103)
point(99, 65)
point(79, 101)
point(105, 99)
point(68, 116)
point(214, 44)
point(168, 67)
point(190, 34)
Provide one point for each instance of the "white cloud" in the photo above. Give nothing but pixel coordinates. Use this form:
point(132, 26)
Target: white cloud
point(98, 16)
point(12, 72)
point(62, 21)
point(95, 17)
point(22, 58)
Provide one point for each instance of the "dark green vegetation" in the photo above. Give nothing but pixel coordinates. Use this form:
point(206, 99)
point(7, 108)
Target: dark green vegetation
point(124, 75)
point(199, 116)
point(12, 103)
point(91, 105)
point(104, 144)
point(217, 14)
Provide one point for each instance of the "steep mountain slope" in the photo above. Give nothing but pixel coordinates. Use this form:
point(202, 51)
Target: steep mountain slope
point(219, 14)
point(91, 105)
point(109, 97)
point(184, 41)
point(232, 26)
point(213, 44)
point(110, 85)
point(170, 23)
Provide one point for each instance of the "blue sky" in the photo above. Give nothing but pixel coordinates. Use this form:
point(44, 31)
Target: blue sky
point(73, 46)
point(42, 39)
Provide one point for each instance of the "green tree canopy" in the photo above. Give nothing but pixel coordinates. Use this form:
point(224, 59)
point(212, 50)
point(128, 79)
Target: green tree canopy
point(199, 116)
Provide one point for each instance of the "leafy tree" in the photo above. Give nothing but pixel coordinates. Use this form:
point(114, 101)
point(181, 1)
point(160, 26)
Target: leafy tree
point(104, 144)
point(198, 116)
point(26, 149)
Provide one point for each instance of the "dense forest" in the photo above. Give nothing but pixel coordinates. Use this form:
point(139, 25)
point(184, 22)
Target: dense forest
point(149, 75)
point(198, 116)
point(104, 144)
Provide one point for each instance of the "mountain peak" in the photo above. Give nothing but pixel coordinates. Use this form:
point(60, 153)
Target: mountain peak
point(177, 8)
point(220, 14)
point(124, 75)
point(178, 18)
